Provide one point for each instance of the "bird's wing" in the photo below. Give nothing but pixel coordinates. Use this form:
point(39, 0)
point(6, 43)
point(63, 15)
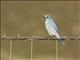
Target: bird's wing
point(49, 28)
point(55, 25)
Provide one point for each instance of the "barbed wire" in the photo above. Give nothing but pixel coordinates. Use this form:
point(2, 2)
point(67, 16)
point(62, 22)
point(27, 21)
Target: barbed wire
point(18, 37)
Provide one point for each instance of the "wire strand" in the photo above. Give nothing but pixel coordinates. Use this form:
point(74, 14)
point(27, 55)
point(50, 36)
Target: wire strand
point(56, 50)
point(11, 50)
point(31, 49)
point(37, 38)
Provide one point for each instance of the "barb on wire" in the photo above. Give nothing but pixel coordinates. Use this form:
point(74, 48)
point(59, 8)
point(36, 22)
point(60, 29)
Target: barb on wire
point(18, 37)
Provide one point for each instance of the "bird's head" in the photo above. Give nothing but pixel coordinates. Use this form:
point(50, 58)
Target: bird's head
point(46, 16)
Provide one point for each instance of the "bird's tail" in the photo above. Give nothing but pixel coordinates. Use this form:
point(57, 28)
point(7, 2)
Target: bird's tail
point(60, 39)
point(62, 42)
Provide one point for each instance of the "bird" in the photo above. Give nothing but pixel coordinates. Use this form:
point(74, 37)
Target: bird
point(52, 28)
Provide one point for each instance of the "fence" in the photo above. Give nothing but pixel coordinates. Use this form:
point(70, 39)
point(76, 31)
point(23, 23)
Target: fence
point(32, 38)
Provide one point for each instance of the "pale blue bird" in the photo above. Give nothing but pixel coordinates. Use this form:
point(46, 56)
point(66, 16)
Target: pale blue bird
point(52, 28)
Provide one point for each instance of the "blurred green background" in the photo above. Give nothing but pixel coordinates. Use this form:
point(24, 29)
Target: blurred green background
point(26, 17)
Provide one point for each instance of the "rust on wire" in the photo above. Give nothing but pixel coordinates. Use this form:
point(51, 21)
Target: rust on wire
point(18, 37)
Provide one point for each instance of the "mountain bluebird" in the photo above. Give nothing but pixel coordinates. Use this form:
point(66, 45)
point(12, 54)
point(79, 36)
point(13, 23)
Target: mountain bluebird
point(52, 28)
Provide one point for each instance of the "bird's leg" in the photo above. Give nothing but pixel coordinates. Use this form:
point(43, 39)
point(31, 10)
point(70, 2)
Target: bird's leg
point(49, 37)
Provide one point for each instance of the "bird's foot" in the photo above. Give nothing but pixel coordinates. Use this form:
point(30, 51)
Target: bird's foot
point(49, 37)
